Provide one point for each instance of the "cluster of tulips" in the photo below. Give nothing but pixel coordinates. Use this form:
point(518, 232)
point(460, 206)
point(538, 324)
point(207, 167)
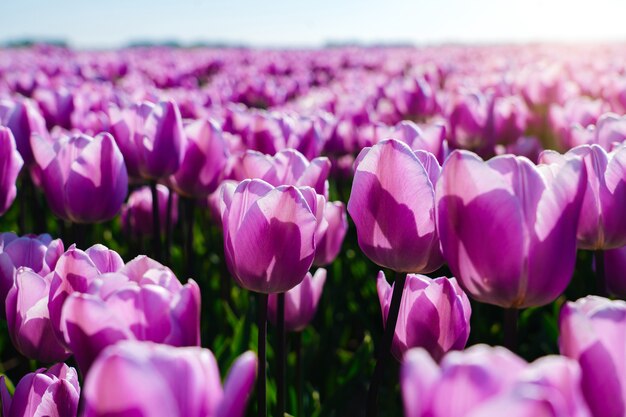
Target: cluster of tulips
point(475, 176)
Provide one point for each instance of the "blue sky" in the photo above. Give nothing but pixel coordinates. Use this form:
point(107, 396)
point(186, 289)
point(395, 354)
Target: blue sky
point(111, 23)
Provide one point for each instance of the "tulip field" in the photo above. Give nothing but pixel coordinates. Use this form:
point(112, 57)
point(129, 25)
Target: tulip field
point(339, 232)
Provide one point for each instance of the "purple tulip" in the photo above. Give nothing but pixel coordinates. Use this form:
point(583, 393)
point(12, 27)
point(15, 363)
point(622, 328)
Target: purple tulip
point(136, 216)
point(468, 121)
point(269, 235)
point(142, 301)
point(393, 207)
point(508, 228)
point(74, 272)
point(84, 178)
point(434, 314)
point(57, 106)
point(39, 253)
point(327, 247)
point(53, 392)
point(485, 381)
point(287, 167)
point(151, 138)
point(10, 165)
point(28, 317)
point(24, 120)
point(592, 332)
point(146, 379)
point(615, 271)
point(602, 223)
point(427, 137)
point(204, 160)
point(300, 302)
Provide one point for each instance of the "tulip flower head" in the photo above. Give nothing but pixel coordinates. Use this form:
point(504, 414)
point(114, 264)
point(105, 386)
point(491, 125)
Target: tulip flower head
point(52, 392)
point(269, 234)
point(155, 374)
point(39, 253)
point(434, 314)
point(300, 302)
point(141, 301)
point(393, 207)
point(84, 178)
point(28, 317)
point(485, 381)
point(10, 165)
point(591, 331)
point(602, 224)
point(136, 215)
point(508, 228)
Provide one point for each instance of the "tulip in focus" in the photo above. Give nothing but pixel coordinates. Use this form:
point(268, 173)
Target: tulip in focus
point(485, 381)
point(300, 302)
point(10, 165)
point(136, 216)
point(84, 178)
point(147, 379)
point(592, 332)
point(269, 235)
point(53, 392)
point(393, 207)
point(434, 314)
point(508, 228)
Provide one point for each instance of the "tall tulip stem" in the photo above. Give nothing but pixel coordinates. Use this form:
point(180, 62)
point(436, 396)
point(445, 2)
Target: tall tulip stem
point(156, 225)
point(600, 274)
point(168, 227)
point(261, 374)
point(189, 204)
point(385, 347)
point(280, 353)
point(297, 346)
point(510, 328)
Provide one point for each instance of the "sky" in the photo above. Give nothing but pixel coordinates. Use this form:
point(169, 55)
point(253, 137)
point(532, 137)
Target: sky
point(295, 23)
